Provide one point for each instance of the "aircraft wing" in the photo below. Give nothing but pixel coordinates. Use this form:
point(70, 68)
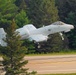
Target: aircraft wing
point(38, 38)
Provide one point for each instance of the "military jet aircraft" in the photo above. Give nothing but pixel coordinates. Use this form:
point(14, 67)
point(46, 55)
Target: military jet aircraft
point(32, 33)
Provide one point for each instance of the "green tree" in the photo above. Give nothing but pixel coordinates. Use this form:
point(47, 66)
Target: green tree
point(7, 11)
point(14, 53)
point(42, 12)
point(65, 7)
point(30, 46)
point(21, 3)
point(22, 19)
point(18, 2)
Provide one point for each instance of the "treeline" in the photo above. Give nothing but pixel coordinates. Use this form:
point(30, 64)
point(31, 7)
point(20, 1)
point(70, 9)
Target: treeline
point(39, 13)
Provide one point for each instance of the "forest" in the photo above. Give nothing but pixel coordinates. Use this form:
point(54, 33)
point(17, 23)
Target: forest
point(39, 13)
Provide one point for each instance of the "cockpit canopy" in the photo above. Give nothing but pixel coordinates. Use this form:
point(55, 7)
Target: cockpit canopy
point(58, 23)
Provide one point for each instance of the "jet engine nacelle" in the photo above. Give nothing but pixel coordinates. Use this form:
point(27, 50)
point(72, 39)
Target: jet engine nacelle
point(24, 32)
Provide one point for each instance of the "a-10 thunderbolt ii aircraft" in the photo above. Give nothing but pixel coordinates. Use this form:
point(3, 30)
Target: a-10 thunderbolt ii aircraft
point(38, 34)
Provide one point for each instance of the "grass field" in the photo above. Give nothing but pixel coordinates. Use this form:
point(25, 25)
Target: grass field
point(60, 53)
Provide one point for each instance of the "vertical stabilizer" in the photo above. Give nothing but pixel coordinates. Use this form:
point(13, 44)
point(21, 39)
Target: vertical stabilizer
point(2, 36)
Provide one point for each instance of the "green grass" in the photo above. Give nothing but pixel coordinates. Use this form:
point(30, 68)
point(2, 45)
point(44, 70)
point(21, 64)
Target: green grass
point(58, 74)
point(60, 53)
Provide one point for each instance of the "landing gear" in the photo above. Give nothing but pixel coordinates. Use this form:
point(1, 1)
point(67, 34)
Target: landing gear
point(37, 45)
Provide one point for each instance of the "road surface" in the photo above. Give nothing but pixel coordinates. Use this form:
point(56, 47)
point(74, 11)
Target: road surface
point(52, 64)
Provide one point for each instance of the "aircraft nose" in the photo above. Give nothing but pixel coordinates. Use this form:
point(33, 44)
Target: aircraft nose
point(72, 27)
